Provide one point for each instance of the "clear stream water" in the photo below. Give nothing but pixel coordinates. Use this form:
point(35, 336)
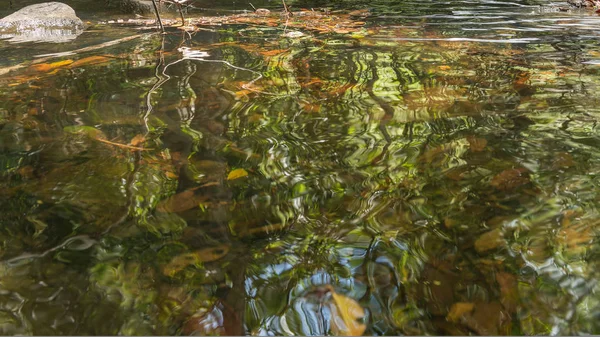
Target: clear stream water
point(436, 167)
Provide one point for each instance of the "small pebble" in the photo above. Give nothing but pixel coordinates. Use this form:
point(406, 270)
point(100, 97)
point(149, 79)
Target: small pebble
point(263, 11)
point(294, 34)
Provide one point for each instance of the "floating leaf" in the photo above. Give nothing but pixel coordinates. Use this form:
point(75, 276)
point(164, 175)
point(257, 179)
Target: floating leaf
point(347, 315)
point(236, 174)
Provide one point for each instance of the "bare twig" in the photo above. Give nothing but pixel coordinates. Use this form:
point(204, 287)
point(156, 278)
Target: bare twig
point(286, 9)
point(162, 28)
point(179, 7)
point(124, 146)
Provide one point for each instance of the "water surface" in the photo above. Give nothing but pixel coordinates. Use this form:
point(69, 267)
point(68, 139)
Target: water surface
point(438, 165)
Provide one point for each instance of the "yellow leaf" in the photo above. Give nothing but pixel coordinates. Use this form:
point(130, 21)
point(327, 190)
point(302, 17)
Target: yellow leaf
point(347, 316)
point(242, 94)
point(45, 67)
point(236, 174)
point(90, 60)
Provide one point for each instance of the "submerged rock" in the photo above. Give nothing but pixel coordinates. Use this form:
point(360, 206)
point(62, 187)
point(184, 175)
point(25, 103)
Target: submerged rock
point(45, 22)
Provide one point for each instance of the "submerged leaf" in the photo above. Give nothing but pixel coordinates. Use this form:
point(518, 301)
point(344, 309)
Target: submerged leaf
point(477, 144)
point(90, 61)
point(46, 67)
point(182, 201)
point(458, 310)
point(490, 240)
point(509, 290)
point(273, 52)
point(236, 174)
point(180, 262)
point(137, 140)
point(88, 131)
point(347, 315)
point(508, 180)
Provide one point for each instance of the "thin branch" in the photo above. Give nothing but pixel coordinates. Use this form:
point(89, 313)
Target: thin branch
point(162, 28)
point(285, 8)
point(135, 148)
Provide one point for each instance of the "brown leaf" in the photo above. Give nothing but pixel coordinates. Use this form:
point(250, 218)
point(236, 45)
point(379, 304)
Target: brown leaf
point(477, 144)
point(508, 180)
point(438, 283)
point(508, 290)
point(576, 237)
point(488, 319)
point(450, 223)
point(458, 310)
point(273, 52)
point(137, 140)
point(563, 160)
point(205, 324)
point(182, 201)
point(490, 240)
point(311, 108)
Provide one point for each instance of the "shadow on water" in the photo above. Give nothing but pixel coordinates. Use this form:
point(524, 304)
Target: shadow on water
point(432, 172)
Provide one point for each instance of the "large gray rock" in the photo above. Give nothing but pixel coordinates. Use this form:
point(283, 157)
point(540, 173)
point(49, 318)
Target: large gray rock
point(584, 3)
point(45, 22)
point(134, 6)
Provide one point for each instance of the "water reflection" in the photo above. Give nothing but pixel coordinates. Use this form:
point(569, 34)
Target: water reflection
point(229, 184)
